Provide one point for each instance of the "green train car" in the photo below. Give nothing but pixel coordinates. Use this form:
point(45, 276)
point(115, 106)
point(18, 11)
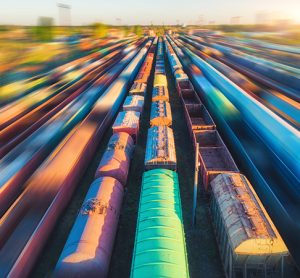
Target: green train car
point(159, 249)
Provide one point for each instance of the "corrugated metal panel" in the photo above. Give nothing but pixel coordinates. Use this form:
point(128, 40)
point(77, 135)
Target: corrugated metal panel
point(160, 244)
point(160, 113)
point(160, 149)
point(247, 225)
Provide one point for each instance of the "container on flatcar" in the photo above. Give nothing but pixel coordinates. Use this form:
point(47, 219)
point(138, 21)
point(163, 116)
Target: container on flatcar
point(89, 246)
point(160, 148)
point(138, 89)
point(134, 103)
point(160, 93)
point(115, 161)
point(160, 113)
point(160, 249)
point(249, 243)
point(214, 157)
point(127, 121)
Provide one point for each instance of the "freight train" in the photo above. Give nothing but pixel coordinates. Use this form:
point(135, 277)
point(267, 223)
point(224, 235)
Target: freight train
point(88, 249)
point(235, 207)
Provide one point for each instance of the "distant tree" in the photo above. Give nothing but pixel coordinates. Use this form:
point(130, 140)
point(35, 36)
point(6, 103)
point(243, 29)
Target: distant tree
point(127, 30)
point(100, 30)
point(137, 29)
point(3, 28)
point(44, 29)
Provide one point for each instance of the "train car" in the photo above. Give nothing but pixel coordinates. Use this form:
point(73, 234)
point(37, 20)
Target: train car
point(201, 119)
point(89, 246)
point(160, 53)
point(147, 66)
point(191, 101)
point(17, 165)
point(127, 121)
point(160, 148)
point(174, 62)
point(179, 74)
point(214, 157)
point(51, 187)
point(15, 110)
point(17, 131)
point(134, 103)
point(238, 78)
point(160, 249)
point(183, 85)
point(142, 77)
point(138, 88)
point(160, 113)
point(115, 161)
point(160, 80)
point(272, 144)
point(249, 243)
point(160, 93)
point(160, 70)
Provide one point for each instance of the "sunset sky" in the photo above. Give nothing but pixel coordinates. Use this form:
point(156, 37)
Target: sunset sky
point(147, 12)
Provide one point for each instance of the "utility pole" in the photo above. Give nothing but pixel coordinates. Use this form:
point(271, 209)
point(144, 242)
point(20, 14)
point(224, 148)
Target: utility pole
point(119, 21)
point(64, 11)
point(201, 20)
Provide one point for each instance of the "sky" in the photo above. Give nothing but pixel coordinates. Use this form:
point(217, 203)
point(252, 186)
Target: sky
point(26, 12)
